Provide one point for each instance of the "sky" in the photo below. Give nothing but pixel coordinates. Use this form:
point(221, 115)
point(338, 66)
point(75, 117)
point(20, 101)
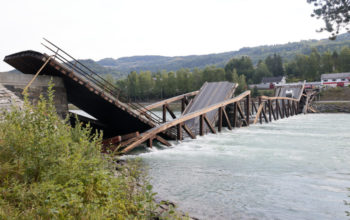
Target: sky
point(98, 29)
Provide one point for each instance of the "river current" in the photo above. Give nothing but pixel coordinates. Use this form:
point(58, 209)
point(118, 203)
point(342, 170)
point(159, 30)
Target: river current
point(294, 168)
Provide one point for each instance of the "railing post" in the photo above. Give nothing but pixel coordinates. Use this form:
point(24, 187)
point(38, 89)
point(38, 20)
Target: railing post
point(270, 112)
point(283, 109)
point(164, 113)
point(247, 109)
point(150, 142)
point(260, 117)
point(183, 104)
point(277, 109)
point(201, 125)
point(235, 110)
point(220, 119)
point(179, 131)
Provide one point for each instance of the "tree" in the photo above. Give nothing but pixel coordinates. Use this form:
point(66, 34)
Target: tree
point(335, 14)
point(344, 59)
point(243, 66)
point(133, 84)
point(260, 72)
point(274, 64)
point(242, 85)
point(327, 63)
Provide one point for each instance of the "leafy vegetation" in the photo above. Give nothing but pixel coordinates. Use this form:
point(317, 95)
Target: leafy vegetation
point(49, 170)
point(334, 13)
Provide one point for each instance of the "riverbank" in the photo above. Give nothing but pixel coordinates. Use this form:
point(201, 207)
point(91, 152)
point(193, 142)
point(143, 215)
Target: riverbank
point(332, 107)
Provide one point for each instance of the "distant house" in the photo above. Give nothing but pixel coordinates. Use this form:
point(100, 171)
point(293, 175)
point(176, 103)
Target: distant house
point(335, 79)
point(269, 82)
point(275, 80)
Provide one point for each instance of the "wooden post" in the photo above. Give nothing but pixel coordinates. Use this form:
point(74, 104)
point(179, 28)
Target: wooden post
point(183, 104)
point(270, 112)
point(164, 113)
point(284, 109)
point(227, 119)
point(220, 119)
point(273, 113)
point(201, 125)
point(211, 128)
point(150, 142)
point(277, 109)
point(247, 109)
point(179, 131)
point(235, 115)
point(170, 112)
point(260, 118)
point(289, 108)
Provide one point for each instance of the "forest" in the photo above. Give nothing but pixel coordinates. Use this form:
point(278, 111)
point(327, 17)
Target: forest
point(121, 67)
point(147, 85)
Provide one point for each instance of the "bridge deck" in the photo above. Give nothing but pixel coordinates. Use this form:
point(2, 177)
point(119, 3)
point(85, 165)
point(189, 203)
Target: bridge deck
point(210, 93)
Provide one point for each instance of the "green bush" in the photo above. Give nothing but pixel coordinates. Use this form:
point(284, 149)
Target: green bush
point(49, 170)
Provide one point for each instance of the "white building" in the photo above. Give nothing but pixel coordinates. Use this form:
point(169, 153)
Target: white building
point(269, 82)
point(335, 79)
point(275, 80)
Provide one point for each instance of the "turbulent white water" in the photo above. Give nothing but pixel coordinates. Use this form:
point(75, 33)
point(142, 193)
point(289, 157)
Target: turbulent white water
point(295, 168)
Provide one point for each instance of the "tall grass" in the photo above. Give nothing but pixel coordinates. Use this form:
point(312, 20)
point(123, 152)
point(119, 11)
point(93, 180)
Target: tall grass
point(49, 170)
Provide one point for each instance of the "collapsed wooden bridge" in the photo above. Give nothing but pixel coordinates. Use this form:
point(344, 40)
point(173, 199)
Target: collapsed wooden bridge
point(127, 124)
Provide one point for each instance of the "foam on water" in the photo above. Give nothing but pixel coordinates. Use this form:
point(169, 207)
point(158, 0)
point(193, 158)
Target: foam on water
point(295, 168)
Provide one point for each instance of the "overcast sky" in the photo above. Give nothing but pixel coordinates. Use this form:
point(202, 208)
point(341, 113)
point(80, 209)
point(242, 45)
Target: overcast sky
point(105, 28)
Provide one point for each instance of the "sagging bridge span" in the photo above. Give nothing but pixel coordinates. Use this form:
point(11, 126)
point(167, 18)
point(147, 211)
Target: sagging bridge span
point(127, 125)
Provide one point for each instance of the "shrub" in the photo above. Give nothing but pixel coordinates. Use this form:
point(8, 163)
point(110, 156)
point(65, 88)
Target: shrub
point(49, 170)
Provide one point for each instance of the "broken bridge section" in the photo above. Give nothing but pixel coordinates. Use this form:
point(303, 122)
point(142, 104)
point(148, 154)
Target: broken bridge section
point(88, 91)
point(210, 94)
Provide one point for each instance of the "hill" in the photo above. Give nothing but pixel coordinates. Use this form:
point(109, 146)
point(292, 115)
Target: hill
point(125, 65)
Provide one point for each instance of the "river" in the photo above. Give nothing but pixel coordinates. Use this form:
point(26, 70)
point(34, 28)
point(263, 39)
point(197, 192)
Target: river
point(294, 168)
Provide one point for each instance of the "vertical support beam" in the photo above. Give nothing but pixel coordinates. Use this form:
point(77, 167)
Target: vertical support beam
point(220, 119)
point(289, 108)
point(277, 109)
point(150, 142)
point(235, 115)
point(179, 132)
point(201, 125)
point(247, 109)
point(164, 113)
point(183, 104)
point(227, 119)
point(283, 109)
point(270, 112)
point(260, 118)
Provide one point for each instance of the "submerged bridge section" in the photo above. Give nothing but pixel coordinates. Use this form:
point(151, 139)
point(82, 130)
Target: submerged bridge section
point(195, 121)
point(209, 94)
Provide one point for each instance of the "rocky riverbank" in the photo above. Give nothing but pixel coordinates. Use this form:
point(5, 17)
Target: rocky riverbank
point(332, 107)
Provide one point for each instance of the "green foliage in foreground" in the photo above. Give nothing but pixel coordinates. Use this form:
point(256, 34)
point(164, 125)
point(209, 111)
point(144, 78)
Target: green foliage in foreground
point(49, 170)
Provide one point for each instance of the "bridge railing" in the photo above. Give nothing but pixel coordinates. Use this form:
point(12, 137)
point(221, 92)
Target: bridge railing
point(180, 125)
point(105, 86)
point(275, 107)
